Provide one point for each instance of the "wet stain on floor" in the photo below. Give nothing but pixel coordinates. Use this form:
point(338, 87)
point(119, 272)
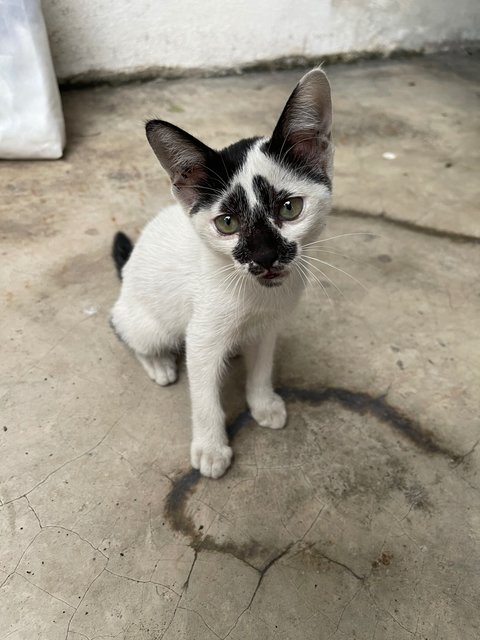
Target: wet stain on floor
point(360, 403)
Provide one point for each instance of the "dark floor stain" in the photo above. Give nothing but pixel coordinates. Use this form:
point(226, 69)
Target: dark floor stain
point(33, 229)
point(175, 512)
point(177, 499)
point(417, 497)
point(384, 560)
point(384, 257)
point(378, 407)
point(461, 238)
point(350, 129)
point(79, 269)
point(175, 509)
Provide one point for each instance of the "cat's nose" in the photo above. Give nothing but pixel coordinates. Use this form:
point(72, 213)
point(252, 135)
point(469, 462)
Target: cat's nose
point(266, 258)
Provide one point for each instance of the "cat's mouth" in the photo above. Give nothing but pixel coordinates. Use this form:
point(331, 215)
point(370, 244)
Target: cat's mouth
point(272, 278)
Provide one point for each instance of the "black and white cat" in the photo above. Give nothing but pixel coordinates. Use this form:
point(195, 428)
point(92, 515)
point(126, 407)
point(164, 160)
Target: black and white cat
point(222, 271)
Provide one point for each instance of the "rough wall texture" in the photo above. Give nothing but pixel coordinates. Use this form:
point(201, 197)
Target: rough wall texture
point(98, 38)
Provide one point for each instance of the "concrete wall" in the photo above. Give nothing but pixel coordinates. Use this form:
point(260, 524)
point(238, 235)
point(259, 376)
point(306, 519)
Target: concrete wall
point(101, 38)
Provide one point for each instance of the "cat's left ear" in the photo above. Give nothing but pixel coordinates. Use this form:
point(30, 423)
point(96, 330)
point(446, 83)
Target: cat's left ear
point(303, 133)
point(183, 157)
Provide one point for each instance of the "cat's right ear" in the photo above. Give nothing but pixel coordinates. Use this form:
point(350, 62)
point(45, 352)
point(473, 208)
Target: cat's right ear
point(183, 157)
point(303, 133)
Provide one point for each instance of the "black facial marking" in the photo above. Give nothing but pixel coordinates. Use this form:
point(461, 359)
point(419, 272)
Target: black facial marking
point(236, 203)
point(221, 166)
point(260, 244)
point(282, 152)
point(270, 200)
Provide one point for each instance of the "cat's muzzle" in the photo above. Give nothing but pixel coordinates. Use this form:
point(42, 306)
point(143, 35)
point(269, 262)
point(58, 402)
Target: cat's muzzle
point(270, 277)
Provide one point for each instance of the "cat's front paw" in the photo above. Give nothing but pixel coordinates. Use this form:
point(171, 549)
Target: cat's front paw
point(211, 460)
point(270, 411)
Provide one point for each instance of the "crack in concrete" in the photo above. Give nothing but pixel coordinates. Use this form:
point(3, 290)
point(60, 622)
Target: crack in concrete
point(343, 612)
point(171, 619)
point(66, 463)
point(314, 522)
point(58, 526)
point(469, 484)
point(345, 566)
point(187, 581)
point(377, 622)
point(262, 573)
point(33, 511)
point(10, 633)
point(388, 613)
point(453, 236)
point(78, 633)
point(20, 559)
point(184, 588)
point(44, 590)
point(461, 459)
point(202, 619)
point(75, 533)
point(158, 584)
point(81, 601)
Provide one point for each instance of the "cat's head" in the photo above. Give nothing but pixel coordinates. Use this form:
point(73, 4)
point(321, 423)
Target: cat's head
point(260, 200)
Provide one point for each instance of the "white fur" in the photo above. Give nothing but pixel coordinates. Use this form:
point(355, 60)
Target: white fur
point(181, 283)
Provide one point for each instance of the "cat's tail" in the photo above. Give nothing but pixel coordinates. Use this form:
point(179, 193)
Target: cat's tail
point(121, 249)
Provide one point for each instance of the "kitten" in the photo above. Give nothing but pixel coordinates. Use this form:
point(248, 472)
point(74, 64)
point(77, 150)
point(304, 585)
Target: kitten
point(222, 271)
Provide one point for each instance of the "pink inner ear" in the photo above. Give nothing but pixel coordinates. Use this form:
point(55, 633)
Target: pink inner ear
point(304, 143)
point(308, 146)
point(186, 182)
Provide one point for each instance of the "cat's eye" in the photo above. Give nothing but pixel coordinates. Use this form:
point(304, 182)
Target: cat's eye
point(227, 224)
point(291, 209)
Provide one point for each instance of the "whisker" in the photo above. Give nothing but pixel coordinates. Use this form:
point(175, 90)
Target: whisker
point(341, 271)
point(342, 235)
point(225, 276)
point(222, 268)
point(236, 285)
point(302, 276)
point(242, 292)
point(308, 282)
point(336, 253)
point(229, 280)
point(313, 266)
point(319, 282)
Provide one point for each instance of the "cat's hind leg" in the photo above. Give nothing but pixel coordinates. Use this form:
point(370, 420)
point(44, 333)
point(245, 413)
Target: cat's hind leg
point(160, 368)
point(153, 344)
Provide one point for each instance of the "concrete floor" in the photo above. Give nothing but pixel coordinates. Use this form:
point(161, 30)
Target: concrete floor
point(372, 529)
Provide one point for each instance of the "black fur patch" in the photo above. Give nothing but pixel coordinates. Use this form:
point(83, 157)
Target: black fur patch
point(259, 243)
point(221, 167)
point(236, 203)
point(269, 199)
point(263, 246)
point(121, 250)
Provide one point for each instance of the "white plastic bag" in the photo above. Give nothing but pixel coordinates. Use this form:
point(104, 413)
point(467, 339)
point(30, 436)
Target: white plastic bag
point(31, 119)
